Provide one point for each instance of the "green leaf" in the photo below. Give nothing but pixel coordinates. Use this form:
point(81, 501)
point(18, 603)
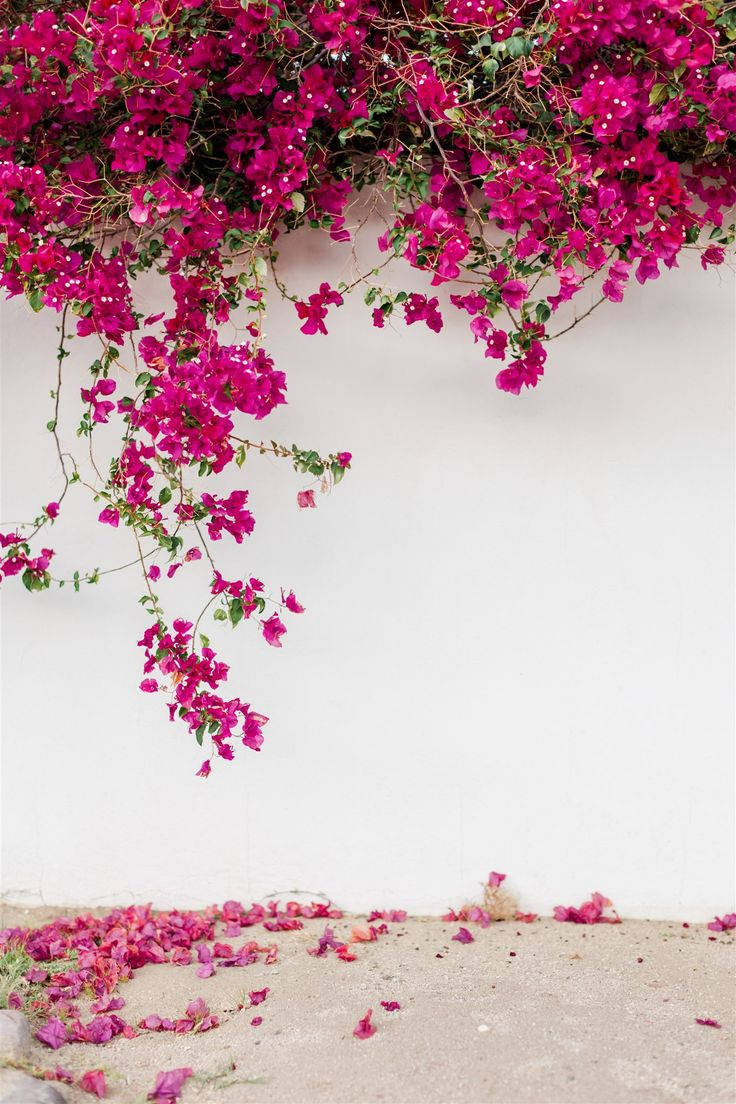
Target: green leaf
point(35, 298)
point(515, 46)
point(165, 495)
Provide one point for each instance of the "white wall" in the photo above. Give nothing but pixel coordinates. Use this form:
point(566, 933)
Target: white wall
point(518, 651)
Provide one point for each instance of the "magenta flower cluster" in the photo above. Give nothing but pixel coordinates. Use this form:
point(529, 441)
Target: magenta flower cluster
point(528, 152)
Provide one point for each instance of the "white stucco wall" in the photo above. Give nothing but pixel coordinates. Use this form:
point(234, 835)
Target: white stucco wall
point(517, 652)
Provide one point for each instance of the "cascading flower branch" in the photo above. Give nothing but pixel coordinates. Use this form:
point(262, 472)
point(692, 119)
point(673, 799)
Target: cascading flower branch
point(523, 150)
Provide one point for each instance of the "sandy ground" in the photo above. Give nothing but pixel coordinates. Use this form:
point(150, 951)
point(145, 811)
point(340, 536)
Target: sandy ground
point(541, 1012)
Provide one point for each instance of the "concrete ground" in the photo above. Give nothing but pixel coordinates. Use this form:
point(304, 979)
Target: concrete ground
point(543, 1012)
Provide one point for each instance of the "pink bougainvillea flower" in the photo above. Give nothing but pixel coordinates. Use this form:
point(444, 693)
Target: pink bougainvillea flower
point(207, 967)
point(327, 942)
point(257, 1021)
point(365, 1028)
point(723, 923)
point(495, 879)
point(65, 1076)
point(93, 1081)
point(344, 459)
point(707, 1023)
point(169, 1085)
point(291, 603)
point(258, 996)
point(462, 935)
point(305, 500)
point(391, 1006)
point(273, 630)
point(590, 912)
point(363, 934)
point(525, 917)
point(52, 509)
point(315, 310)
point(109, 516)
point(108, 1004)
point(53, 1033)
point(394, 916)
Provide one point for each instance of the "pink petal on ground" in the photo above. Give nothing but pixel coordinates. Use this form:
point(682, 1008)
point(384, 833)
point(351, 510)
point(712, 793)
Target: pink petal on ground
point(257, 1021)
point(362, 934)
point(391, 1006)
point(707, 1023)
point(93, 1081)
point(723, 923)
point(365, 1028)
point(59, 1074)
point(108, 1004)
point(151, 1023)
point(495, 879)
point(168, 1085)
point(258, 996)
point(53, 1033)
point(462, 935)
point(590, 912)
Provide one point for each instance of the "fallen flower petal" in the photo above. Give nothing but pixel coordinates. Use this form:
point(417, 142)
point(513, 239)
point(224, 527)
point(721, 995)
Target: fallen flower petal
point(93, 1081)
point(258, 996)
point(462, 935)
point(590, 912)
point(53, 1033)
point(391, 1006)
point(707, 1023)
point(257, 1021)
point(365, 1028)
point(723, 923)
point(169, 1085)
point(59, 1074)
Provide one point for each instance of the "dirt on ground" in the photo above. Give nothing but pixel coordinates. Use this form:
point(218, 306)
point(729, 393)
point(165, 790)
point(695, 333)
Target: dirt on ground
point(544, 1012)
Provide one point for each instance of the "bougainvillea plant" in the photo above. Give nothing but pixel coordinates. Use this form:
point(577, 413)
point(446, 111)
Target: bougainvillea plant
point(521, 151)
